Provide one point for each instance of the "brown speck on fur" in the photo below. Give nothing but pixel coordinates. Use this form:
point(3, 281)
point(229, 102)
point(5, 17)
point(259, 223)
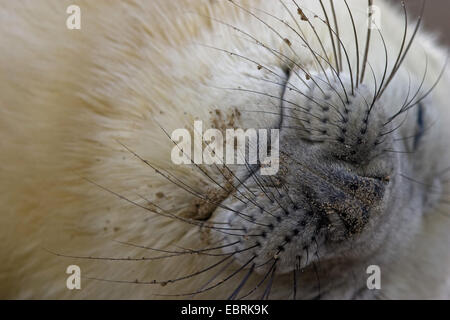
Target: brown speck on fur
point(160, 195)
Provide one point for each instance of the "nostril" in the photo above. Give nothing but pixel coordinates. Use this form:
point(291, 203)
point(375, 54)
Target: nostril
point(353, 186)
point(366, 189)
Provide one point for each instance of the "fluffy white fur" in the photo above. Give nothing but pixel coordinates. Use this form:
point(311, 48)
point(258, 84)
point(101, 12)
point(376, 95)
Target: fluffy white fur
point(67, 98)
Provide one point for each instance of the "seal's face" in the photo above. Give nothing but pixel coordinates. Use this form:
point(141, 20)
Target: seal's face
point(341, 199)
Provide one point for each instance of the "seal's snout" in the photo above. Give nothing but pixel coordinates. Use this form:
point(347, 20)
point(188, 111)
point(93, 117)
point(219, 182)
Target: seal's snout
point(332, 180)
point(331, 139)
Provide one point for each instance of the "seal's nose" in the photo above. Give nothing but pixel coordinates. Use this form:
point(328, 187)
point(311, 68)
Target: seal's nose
point(344, 199)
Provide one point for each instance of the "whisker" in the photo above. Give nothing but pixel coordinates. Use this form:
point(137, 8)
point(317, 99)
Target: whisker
point(294, 276)
point(347, 57)
point(261, 281)
point(331, 37)
point(214, 277)
point(401, 56)
point(172, 216)
point(366, 50)
point(337, 34)
point(386, 66)
point(283, 39)
point(289, 86)
point(355, 33)
point(186, 250)
point(300, 11)
point(303, 36)
point(444, 68)
point(317, 56)
point(399, 151)
point(187, 188)
point(396, 128)
point(266, 293)
point(243, 282)
point(425, 131)
point(155, 282)
point(211, 287)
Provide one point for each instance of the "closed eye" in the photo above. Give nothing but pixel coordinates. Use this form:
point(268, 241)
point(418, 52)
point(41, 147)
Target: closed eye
point(420, 129)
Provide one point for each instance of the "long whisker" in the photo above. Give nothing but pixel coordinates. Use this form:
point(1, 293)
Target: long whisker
point(402, 57)
point(300, 11)
point(165, 282)
point(210, 287)
point(336, 26)
point(266, 293)
point(331, 36)
point(261, 281)
point(186, 188)
point(243, 282)
point(303, 36)
point(310, 76)
point(355, 33)
point(186, 251)
point(366, 51)
point(347, 57)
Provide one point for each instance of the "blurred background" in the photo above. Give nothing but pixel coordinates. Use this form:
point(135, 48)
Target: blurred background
point(436, 17)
